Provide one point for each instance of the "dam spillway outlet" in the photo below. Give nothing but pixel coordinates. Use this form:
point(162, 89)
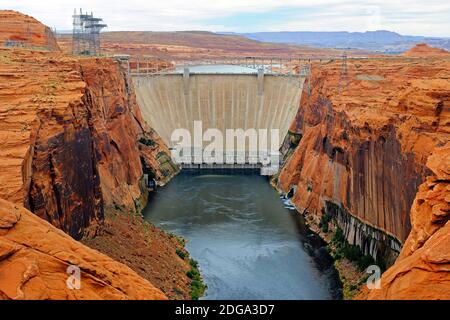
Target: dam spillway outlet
point(220, 101)
point(236, 148)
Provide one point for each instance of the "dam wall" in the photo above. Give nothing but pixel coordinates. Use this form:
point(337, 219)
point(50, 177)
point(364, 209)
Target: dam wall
point(221, 101)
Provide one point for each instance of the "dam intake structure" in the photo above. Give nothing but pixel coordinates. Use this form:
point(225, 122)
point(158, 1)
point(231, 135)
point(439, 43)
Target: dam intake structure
point(259, 97)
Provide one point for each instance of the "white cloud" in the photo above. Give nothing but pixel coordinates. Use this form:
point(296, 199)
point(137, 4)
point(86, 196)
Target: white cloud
point(407, 17)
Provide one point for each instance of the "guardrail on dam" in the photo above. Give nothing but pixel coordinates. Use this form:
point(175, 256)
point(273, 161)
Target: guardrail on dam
point(220, 100)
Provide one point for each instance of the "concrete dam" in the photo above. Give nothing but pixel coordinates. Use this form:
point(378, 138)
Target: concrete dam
point(220, 100)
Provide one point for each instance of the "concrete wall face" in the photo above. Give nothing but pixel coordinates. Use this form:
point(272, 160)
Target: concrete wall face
point(222, 101)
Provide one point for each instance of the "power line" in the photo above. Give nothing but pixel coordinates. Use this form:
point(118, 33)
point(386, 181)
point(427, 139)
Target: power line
point(86, 33)
point(344, 79)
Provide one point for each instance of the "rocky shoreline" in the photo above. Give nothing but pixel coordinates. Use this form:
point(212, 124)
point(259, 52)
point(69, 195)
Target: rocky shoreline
point(344, 274)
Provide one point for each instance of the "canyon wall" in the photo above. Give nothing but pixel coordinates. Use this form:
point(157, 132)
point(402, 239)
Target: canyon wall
point(73, 149)
point(31, 267)
point(422, 270)
point(20, 30)
point(73, 142)
point(363, 134)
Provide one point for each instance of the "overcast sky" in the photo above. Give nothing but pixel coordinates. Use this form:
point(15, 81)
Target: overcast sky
point(409, 17)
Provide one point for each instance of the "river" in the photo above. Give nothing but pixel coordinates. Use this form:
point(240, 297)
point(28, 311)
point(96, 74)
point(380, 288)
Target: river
point(247, 244)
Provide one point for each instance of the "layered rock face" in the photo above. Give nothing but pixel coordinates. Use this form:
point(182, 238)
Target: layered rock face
point(31, 268)
point(20, 30)
point(422, 270)
point(73, 145)
point(70, 132)
point(367, 129)
point(125, 144)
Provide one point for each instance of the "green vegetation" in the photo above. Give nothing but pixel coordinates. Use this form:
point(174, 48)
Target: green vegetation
point(193, 274)
point(290, 143)
point(351, 252)
point(197, 286)
point(182, 254)
point(117, 207)
point(294, 139)
point(193, 263)
point(338, 237)
point(147, 142)
point(309, 186)
point(180, 240)
point(167, 166)
point(324, 220)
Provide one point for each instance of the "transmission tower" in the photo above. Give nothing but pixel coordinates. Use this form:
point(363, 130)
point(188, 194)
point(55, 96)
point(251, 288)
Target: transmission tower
point(344, 79)
point(86, 33)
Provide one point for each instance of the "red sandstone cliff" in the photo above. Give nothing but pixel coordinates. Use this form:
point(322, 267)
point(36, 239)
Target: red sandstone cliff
point(73, 145)
point(31, 267)
point(17, 29)
point(366, 136)
point(423, 269)
point(70, 134)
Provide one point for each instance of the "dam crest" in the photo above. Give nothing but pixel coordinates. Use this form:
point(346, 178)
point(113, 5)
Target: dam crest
point(260, 100)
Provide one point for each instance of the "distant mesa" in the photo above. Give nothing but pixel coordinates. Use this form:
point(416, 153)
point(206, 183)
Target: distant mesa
point(424, 50)
point(20, 30)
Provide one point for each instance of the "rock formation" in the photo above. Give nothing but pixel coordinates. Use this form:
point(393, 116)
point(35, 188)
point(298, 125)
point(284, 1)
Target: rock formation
point(422, 50)
point(73, 145)
point(423, 269)
point(31, 267)
point(20, 30)
point(70, 135)
point(369, 146)
point(367, 129)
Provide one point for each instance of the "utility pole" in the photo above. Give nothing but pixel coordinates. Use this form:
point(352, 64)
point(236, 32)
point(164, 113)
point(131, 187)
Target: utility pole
point(86, 33)
point(344, 80)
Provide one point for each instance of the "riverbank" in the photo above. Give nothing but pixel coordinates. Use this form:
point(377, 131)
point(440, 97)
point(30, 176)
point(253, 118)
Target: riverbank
point(350, 276)
point(146, 249)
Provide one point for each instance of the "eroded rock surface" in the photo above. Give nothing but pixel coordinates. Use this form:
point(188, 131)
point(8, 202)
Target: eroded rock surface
point(69, 139)
point(423, 269)
point(20, 30)
point(370, 145)
point(367, 129)
point(73, 145)
point(32, 267)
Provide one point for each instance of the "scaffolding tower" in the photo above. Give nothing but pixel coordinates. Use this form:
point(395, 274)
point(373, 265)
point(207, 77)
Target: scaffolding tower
point(86, 33)
point(344, 78)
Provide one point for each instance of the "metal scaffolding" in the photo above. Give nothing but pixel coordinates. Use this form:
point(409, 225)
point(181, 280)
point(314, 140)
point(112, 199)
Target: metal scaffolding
point(344, 78)
point(86, 33)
